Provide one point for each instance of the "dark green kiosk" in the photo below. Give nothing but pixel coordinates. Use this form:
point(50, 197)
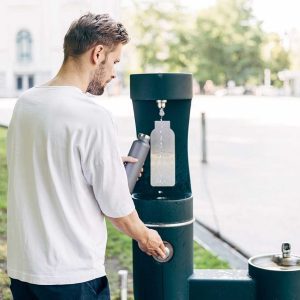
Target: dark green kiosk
point(163, 199)
point(163, 195)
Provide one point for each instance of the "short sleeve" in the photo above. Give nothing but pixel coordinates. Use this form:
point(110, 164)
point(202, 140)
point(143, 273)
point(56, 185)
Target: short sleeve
point(104, 170)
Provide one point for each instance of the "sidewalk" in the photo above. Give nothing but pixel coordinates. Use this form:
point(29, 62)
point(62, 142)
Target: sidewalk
point(248, 190)
point(6, 108)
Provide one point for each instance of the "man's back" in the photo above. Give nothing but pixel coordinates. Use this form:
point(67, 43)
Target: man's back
point(65, 171)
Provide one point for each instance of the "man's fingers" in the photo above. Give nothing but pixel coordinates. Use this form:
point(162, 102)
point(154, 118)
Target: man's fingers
point(141, 174)
point(162, 247)
point(161, 253)
point(129, 159)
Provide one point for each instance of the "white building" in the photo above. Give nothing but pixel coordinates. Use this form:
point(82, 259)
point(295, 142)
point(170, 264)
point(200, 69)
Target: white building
point(32, 32)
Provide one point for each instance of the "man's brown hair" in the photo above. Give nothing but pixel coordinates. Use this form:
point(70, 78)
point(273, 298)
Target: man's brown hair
point(91, 30)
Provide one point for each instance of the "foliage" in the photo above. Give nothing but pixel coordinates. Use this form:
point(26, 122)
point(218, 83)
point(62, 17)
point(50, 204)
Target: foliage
point(4, 281)
point(162, 41)
point(276, 58)
point(227, 40)
point(3, 172)
point(221, 43)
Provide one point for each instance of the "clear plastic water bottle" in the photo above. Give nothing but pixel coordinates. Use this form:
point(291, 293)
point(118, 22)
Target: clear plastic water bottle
point(162, 155)
point(139, 149)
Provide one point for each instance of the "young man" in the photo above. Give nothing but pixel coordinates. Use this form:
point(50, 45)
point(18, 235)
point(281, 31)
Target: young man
point(66, 174)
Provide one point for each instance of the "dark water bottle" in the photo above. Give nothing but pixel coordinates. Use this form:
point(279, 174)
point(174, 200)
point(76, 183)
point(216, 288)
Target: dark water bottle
point(139, 149)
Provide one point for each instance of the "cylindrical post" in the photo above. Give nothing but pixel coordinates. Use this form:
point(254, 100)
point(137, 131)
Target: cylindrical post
point(123, 274)
point(203, 129)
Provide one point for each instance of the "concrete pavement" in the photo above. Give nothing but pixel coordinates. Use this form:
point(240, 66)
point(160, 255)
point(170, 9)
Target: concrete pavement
point(6, 108)
point(249, 189)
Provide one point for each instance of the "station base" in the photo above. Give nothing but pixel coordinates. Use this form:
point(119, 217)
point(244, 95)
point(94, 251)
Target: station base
point(221, 285)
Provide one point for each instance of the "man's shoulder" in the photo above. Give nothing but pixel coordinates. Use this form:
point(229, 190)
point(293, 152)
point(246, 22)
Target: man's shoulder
point(68, 103)
point(96, 112)
point(27, 93)
point(91, 113)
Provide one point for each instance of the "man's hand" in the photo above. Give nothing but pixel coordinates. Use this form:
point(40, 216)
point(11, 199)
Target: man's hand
point(153, 245)
point(127, 159)
point(130, 159)
point(148, 240)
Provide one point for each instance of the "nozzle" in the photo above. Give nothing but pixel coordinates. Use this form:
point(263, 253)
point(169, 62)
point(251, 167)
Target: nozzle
point(161, 103)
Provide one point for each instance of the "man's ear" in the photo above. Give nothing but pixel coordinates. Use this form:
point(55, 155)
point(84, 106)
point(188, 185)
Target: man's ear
point(97, 54)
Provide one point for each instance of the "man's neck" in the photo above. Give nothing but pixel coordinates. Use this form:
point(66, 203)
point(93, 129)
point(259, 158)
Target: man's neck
point(71, 74)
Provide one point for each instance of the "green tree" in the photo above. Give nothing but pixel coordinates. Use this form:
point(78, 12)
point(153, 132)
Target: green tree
point(221, 43)
point(227, 42)
point(162, 36)
point(276, 58)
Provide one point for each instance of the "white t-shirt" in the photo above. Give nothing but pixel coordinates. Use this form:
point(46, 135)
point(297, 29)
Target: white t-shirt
point(65, 174)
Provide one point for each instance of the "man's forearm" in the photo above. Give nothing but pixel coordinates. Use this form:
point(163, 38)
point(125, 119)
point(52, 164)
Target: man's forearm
point(132, 226)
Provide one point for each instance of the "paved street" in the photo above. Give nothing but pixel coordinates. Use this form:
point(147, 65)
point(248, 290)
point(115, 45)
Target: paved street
point(249, 190)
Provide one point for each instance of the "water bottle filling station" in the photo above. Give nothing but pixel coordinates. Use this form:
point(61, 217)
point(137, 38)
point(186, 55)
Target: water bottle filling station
point(163, 199)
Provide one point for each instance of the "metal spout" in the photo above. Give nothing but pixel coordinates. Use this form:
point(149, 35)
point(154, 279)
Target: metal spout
point(286, 250)
point(161, 103)
point(286, 259)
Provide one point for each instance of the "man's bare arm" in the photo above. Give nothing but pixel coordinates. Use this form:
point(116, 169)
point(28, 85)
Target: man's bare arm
point(148, 240)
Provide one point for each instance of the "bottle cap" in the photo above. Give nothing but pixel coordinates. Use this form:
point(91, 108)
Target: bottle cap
point(144, 137)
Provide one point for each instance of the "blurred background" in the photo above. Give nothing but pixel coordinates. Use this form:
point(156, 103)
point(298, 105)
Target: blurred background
point(244, 56)
point(233, 47)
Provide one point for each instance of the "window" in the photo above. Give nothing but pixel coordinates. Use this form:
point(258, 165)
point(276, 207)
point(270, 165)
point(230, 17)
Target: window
point(19, 83)
point(30, 81)
point(24, 45)
point(24, 81)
